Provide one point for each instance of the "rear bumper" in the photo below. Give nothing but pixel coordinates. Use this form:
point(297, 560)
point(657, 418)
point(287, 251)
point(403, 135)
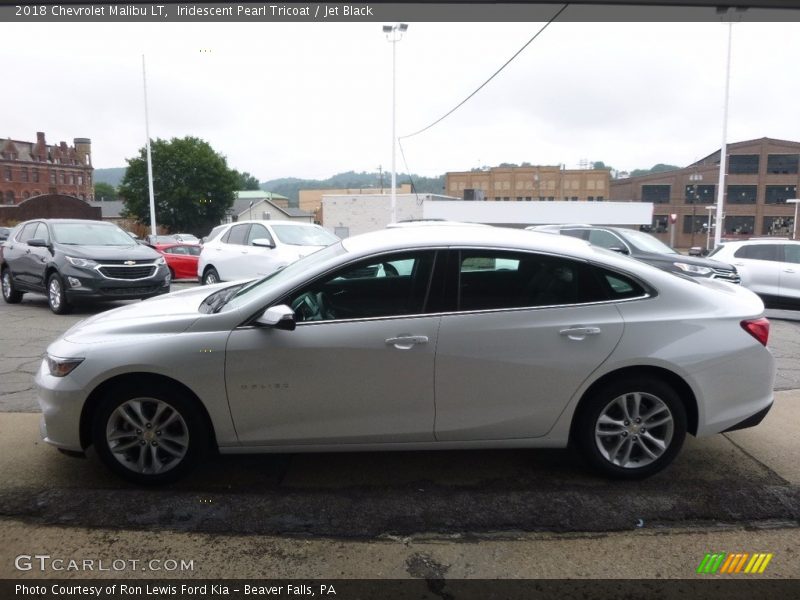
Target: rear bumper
point(751, 421)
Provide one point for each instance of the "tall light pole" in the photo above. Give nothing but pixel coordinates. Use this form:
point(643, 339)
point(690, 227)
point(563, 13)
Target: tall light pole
point(394, 33)
point(694, 178)
point(724, 148)
point(153, 229)
point(794, 201)
point(710, 210)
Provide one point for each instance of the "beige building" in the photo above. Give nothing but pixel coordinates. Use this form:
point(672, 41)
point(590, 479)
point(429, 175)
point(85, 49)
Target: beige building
point(311, 200)
point(761, 175)
point(529, 183)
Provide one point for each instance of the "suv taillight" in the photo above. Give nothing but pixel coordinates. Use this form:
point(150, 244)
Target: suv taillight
point(758, 328)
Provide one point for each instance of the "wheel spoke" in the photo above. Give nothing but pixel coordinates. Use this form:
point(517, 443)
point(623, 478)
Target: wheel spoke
point(659, 444)
point(660, 422)
point(647, 450)
point(177, 452)
point(123, 412)
point(154, 462)
point(121, 448)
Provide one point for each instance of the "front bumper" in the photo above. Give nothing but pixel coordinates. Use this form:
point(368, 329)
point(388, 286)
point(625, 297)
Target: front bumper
point(62, 403)
point(91, 283)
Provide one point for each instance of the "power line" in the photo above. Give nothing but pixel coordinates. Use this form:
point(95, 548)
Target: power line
point(496, 73)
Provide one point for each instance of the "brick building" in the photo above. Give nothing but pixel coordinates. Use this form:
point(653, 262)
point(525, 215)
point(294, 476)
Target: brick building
point(29, 169)
point(761, 175)
point(529, 183)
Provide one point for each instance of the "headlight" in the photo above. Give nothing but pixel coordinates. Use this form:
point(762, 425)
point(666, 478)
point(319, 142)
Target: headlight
point(60, 367)
point(81, 262)
point(694, 269)
point(161, 261)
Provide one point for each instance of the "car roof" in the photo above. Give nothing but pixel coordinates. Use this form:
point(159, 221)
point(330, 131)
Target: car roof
point(454, 235)
point(753, 242)
point(274, 222)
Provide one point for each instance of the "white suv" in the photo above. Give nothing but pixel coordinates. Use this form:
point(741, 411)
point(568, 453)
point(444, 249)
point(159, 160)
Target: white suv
point(249, 249)
point(769, 267)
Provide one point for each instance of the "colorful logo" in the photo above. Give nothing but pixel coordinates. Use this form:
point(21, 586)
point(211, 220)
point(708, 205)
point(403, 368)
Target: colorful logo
point(736, 562)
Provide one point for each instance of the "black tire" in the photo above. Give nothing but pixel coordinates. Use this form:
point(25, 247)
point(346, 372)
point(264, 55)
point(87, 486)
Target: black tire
point(10, 293)
point(210, 276)
point(56, 296)
point(171, 274)
point(175, 441)
point(621, 447)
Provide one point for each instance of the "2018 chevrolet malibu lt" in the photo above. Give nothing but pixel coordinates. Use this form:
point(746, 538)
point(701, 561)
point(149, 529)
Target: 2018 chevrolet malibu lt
point(416, 338)
point(645, 247)
point(72, 260)
point(248, 249)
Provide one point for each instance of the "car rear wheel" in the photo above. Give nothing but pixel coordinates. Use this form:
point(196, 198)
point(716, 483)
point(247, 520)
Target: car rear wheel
point(210, 276)
point(631, 428)
point(149, 436)
point(56, 297)
point(10, 294)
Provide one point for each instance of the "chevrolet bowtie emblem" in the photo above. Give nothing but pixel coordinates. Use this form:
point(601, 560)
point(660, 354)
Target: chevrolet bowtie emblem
point(130, 262)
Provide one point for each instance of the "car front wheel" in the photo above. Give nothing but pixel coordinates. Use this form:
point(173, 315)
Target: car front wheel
point(631, 428)
point(10, 294)
point(149, 436)
point(56, 297)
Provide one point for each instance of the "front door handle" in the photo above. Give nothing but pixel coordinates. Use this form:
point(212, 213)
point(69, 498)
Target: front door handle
point(579, 333)
point(405, 342)
point(788, 270)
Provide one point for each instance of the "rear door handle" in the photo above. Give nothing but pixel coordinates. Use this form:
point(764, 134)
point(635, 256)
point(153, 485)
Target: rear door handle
point(788, 270)
point(405, 342)
point(579, 333)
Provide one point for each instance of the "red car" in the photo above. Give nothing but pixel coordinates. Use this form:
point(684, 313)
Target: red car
point(181, 259)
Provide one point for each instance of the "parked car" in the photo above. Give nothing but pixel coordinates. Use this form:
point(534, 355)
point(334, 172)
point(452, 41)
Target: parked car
point(70, 260)
point(186, 238)
point(645, 247)
point(181, 259)
point(476, 337)
point(249, 249)
point(769, 267)
point(4, 231)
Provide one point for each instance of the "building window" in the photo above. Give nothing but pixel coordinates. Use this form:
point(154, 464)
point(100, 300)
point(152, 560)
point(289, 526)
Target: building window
point(506, 198)
point(35, 175)
point(9, 197)
point(80, 179)
point(743, 164)
point(700, 223)
point(657, 194)
point(660, 224)
point(519, 198)
point(740, 225)
point(61, 177)
point(53, 177)
point(705, 194)
point(742, 194)
point(70, 179)
point(23, 173)
point(778, 194)
point(26, 195)
point(782, 164)
point(779, 226)
point(7, 173)
point(599, 199)
point(590, 198)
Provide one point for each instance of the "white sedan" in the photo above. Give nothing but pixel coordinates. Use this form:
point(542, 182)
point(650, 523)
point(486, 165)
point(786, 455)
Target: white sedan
point(416, 338)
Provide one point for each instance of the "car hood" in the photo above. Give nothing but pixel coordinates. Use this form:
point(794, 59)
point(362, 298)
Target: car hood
point(169, 314)
point(100, 253)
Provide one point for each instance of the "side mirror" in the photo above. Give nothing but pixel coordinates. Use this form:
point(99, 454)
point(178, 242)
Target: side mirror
point(619, 249)
point(37, 243)
point(263, 243)
point(279, 317)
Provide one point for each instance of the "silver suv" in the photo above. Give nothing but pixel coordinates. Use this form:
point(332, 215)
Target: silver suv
point(769, 267)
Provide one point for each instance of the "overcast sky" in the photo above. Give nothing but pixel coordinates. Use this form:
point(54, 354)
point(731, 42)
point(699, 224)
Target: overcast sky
point(312, 100)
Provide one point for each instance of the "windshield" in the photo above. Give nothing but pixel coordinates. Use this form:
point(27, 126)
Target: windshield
point(91, 234)
point(300, 235)
point(646, 242)
point(307, 263)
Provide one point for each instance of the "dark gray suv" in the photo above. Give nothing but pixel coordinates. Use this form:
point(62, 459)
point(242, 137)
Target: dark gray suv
point(647, 248)
point(70, 260)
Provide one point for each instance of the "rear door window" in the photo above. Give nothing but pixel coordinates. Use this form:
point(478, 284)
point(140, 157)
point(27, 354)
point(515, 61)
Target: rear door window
point(238, 234)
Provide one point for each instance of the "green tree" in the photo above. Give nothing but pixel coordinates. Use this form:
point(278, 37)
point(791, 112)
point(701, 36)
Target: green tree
point(193, 185)
point(104, 191)
point(245, 181)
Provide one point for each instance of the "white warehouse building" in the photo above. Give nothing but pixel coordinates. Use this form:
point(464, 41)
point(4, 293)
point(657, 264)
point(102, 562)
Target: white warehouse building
point(347, 215)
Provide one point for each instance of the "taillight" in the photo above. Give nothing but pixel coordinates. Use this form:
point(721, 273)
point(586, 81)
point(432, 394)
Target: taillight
point(758, 328)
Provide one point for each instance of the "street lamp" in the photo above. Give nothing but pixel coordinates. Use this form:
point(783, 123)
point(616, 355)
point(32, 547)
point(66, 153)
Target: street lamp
point(694, 178)
point(710, 210)
point(394, 33)
point(794, 201)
